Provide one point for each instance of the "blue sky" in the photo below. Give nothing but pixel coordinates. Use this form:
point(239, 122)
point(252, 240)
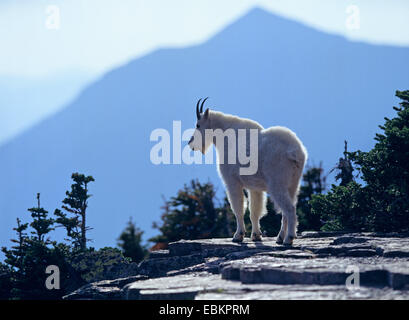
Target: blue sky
point(44, 68)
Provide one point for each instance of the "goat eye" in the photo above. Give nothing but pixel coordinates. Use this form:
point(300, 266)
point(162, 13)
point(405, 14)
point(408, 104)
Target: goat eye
point(197, 126)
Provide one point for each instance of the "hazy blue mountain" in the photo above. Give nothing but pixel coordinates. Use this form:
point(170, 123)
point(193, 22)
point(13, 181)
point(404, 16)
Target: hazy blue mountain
point(25, 101)
point(264, 67)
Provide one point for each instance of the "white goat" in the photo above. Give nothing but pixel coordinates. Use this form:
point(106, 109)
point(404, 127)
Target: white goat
point(280, 157)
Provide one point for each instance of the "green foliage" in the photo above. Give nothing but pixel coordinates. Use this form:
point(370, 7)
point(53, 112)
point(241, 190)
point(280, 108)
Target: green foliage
point(76, 203)
point(130, 241)
point(385, 169)
point(22, 276)
point(345, 168)
point(5, 282)
point(226, 220)
point(16, 253)
point(270, 224)
point(192, 214)
point(342, 208)
point(41, 223)
point(95, 265)
point(28, 260)
point(382, 202)
point(313, 184)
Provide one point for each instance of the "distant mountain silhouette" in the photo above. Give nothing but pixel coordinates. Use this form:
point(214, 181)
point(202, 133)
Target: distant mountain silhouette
point(270, 69)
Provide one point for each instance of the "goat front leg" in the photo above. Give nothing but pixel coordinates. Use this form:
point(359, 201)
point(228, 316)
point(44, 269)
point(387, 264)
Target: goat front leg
point(236, 199)
point(257, 210)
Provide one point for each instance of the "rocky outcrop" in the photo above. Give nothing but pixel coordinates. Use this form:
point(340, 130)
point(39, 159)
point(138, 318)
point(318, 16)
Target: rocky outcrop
point(317, 266)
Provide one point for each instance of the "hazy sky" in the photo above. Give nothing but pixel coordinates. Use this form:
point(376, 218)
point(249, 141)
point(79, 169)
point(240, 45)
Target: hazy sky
point(96, 35)
point(51, 49)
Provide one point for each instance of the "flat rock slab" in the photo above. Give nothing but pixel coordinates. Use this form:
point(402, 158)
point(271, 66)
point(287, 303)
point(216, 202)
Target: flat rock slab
point(375, 271)
point(204, 286)
point(303, 292)
point(219, 247)
point(320, 243)
point(317, 266)
point(185, 286)
point(103, 290)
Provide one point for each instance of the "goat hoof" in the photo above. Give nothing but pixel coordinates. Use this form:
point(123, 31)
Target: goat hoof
point(256, 237)
point(288, 241)
point(279, 240)
point(238, 237)
point(237, 240)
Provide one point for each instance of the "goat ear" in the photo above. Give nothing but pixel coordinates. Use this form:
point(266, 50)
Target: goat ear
point(206, 113)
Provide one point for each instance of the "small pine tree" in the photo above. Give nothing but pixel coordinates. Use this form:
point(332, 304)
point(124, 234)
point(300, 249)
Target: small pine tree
point(28, 259)
point(338, 209)
point(345, 168)
point(76, 203)
point(41, 223)
point(15, 260)
point(191, 214)
point(130, 241)
point(17, 251)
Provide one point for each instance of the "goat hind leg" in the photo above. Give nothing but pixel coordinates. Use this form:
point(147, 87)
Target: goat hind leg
point(289, 220)
point(291, 217)
point(283, 230)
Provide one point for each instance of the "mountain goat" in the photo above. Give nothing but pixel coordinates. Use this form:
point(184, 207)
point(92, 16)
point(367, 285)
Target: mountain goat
point(279, 160)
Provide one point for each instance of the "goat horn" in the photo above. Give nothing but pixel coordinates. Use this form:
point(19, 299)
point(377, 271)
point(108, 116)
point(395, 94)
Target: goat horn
point(197, 109)
point(201, 107)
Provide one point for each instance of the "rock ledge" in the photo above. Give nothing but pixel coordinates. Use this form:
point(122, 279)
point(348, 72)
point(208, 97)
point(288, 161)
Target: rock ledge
point(315, 267)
